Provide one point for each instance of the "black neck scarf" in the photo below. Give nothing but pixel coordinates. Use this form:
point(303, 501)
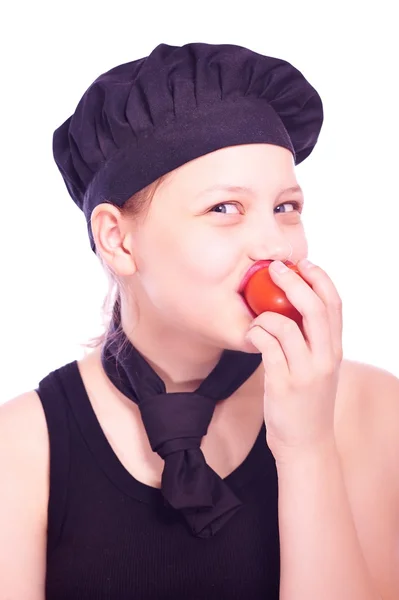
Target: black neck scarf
point(176, 423)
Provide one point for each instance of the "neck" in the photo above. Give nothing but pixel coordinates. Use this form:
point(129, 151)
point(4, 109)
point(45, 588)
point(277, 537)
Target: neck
point(182, 363)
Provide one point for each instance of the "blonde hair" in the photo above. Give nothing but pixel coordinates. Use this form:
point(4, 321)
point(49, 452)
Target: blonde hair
point(134, 208)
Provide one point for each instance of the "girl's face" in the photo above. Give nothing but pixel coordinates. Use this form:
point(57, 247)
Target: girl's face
point(208, 222)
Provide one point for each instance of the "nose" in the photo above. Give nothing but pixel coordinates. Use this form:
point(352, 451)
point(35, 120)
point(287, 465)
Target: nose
point(269, 244)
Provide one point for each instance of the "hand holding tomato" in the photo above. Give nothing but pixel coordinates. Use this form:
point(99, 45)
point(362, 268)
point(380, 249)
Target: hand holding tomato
point(262, 294)
point(301, 364)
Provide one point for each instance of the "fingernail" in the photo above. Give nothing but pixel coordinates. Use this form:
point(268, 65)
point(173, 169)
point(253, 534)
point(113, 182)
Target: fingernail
point(307, 264)
point(278, 266)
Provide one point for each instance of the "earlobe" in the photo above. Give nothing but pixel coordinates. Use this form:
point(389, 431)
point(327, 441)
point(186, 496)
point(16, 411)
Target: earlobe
point(111, 241)
point(124, 261)
point(123, 264)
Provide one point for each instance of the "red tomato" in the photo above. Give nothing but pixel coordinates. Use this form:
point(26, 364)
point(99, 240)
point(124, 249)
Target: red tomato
point(262, 294)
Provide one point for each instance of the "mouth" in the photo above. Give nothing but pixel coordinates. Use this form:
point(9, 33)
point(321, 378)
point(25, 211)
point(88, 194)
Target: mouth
point(261, 264)
point(247, 307)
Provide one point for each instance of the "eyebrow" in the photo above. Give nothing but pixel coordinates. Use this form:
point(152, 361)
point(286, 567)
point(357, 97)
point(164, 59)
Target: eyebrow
point(243, 189)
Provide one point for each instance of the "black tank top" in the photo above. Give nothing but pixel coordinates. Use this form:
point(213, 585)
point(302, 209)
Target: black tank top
point(111, 537)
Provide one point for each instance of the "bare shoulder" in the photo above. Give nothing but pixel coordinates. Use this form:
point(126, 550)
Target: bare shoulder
point(367, 434)
point(24, 467)
point(367, 400)
point(24, 411)
point(376, 408)
point(24, 441)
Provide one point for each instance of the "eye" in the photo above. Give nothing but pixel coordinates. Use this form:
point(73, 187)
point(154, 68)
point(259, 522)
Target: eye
point(297, 206)
point(223, 204)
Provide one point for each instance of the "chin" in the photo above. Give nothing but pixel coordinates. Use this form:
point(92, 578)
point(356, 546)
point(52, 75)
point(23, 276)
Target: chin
point(243, 346)
point(248, 347)
point(235, 338)
point(230, 326)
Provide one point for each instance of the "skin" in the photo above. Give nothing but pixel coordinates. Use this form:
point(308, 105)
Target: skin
point(188, 300)
point(301, 387)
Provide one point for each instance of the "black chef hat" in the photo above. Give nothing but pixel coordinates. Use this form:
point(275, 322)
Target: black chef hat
point(144, 118)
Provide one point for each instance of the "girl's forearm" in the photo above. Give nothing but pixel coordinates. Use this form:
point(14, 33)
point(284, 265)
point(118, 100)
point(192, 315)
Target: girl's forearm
point(321, 557)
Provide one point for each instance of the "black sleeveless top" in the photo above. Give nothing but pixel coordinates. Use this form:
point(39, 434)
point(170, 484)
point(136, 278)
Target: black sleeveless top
point(111, 537)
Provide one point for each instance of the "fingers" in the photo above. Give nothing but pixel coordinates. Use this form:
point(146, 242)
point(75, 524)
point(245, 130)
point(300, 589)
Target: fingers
point(280, 340)
point(318, 301)
point(327, 292)
point(273, 357)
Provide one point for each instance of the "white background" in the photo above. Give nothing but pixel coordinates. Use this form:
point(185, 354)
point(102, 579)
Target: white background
point(52, 287)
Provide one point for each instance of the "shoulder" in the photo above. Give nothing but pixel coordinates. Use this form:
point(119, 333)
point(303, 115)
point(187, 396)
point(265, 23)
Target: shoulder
point(368, 443)
point(370, 395)
point(23, 497)
point(22, 419)
point(24, 445)
point(367, 410)
point(378, 410)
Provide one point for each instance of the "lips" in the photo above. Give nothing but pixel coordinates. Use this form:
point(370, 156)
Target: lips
point(261, 264)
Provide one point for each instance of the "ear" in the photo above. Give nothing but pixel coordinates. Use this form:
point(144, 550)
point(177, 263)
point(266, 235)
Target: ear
point(113, 240)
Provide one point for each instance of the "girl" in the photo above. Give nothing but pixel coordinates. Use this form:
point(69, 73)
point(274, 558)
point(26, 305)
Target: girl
point(199, 452)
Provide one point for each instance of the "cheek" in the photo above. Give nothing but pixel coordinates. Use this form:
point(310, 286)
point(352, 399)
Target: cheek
point(210, 261)
point(188, 269)
point(300, 243)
